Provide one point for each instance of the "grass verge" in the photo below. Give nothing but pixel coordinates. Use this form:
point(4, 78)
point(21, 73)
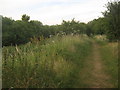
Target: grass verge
point(109, 54)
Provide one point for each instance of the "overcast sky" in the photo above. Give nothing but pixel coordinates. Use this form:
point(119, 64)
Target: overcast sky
point(53, 11)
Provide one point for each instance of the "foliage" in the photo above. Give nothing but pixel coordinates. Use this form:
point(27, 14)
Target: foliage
point(112, 16)
point(98, 26)
point(7, 24)
point(53, 64)
point(25, 18)
point(20, 31)
point(73, 26)
point(109, 54)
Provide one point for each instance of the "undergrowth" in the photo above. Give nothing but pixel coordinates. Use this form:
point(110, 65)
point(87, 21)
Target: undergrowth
point(53, 63)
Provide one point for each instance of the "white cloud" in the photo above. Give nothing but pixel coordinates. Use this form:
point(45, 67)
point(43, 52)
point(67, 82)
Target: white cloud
point(53, 11)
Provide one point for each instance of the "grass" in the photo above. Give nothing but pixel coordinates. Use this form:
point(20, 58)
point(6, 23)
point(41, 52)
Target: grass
point(52, 63)
point(56, 62)
point(109, 53)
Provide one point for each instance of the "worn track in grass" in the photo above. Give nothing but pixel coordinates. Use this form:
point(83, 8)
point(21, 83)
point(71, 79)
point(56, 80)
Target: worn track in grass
point(93, 74)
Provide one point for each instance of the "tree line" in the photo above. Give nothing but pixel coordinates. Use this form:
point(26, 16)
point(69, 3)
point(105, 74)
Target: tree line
point(21, 31)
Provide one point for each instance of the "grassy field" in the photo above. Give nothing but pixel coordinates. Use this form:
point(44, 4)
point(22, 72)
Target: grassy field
point(57, 62)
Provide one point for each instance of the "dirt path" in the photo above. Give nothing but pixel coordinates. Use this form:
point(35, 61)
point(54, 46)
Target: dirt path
point(93, 75)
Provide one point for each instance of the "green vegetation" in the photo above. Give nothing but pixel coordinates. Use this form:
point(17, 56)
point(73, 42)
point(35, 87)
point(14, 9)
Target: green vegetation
point(20, 31)
point(98, 26)
point(55, 63)
point(112, 16)
point(72, 54)
point(60, 62)
point(109, 54)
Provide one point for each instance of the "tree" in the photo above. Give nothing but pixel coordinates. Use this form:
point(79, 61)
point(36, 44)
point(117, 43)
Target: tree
point(25, 18)
point(88, 30)
point(73, 26)
point(98, 26)
point(19, 31)
point(7, 24)
point(112, 16)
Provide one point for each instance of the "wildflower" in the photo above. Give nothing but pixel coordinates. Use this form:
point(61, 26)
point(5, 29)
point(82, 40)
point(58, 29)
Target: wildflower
point(50, 35)
point(11, 87)
point(53, 41)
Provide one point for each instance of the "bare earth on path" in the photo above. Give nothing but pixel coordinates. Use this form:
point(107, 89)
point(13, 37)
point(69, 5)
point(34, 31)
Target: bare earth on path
point(93, 74)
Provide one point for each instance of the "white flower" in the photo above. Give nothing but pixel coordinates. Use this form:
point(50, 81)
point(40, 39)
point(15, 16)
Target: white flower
point(11, 87)
point(53, 41)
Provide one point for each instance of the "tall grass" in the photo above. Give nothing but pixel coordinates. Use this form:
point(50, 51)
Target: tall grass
point(53, 63)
